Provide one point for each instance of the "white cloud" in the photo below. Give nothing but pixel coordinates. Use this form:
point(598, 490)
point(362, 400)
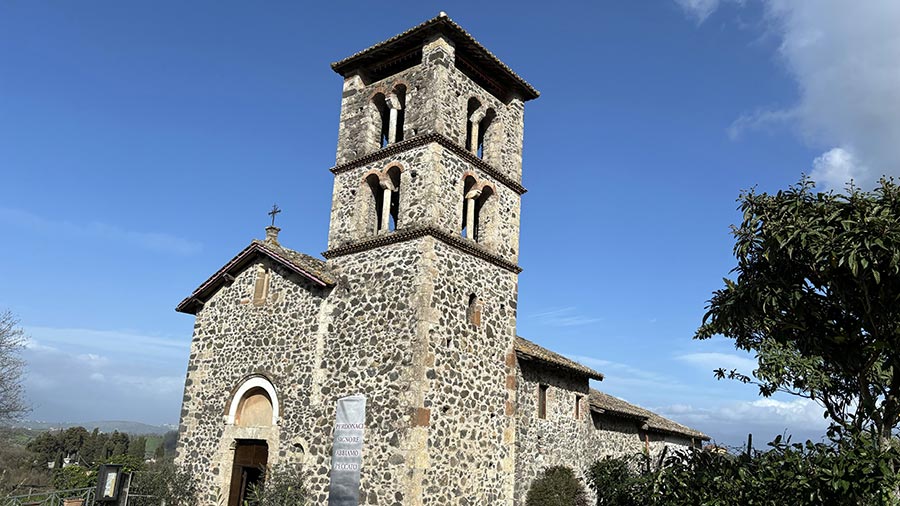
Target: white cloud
point(66, 368)
point(565, 317)
point(836, 167)
point(730, 423)
point(844, 58)
point(698, 10)
point(153, 241)
point(728, 361)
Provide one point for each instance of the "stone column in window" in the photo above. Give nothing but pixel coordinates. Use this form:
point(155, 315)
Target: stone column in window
point(386, 205)
point(475, 119)
point(395, 105)
point(471, 197)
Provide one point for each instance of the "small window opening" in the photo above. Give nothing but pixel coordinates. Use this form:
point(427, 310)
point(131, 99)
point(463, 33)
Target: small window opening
point(542, 401)
point(261, 286)
point(381, 107)
point(375, 213)
point(473, 313)
point(484, 130)
point(578, 406)
point(471, 108)
point(398, 102)
point(468, 186)
point(393, 174)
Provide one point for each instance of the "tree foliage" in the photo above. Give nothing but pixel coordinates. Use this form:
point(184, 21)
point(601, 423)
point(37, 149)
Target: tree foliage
point(817, 298)
point(12, 367)
point(858, 472)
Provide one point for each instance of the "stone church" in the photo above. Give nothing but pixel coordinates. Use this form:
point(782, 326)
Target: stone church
point(414, 306)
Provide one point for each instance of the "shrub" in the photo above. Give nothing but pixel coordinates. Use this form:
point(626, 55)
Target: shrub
point(857, 471)
point(557, 486)
point(283, 486)
point(167, 483)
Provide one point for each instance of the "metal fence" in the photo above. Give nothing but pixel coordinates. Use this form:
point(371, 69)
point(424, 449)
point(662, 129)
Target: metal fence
point(72, 497)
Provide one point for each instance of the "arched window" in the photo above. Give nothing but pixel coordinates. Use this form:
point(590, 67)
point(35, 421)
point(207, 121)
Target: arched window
point(377, 198)
point(475, 196)
point(393, 176)
point(469, 186)
point(382, 117)
point(382, 212)
point(397, 103)
point(472, 121)
point(484, 131)
point(255, 404)
point(390, 114)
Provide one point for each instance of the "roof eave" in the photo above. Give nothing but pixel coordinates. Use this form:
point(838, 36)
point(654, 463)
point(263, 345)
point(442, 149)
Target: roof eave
point(194, 302)
point(448, 27)
point(587, 372)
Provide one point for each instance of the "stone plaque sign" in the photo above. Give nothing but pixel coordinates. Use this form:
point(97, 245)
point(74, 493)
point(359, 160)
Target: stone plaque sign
point(346, 459)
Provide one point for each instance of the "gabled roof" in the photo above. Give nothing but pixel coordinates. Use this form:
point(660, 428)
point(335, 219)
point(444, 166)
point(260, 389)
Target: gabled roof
point(613, 406)
point(306, 266)
point(466, 46)
point(527, 350)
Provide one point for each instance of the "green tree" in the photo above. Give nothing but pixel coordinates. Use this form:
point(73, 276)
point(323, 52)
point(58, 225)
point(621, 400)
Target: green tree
point(46, 445)
point(12, 342)
point(137, 447)
point(118, 443)
point(817, 298)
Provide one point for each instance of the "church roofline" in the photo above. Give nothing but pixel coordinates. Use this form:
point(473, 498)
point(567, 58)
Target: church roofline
point(417, 36)
point(306, 266)
point(408, 234)
point(421, 140)
point(613, 406)
point(527, 350)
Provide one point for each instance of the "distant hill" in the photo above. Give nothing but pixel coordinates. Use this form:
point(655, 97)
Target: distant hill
point(104, 426)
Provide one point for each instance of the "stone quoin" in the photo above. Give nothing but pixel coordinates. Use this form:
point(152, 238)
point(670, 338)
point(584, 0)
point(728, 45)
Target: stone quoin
point(414, 307)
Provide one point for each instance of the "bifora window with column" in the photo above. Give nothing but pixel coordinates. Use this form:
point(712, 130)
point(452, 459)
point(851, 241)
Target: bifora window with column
point(382, 209)
point(476, 199)
point(479, 120)
point(389, 111)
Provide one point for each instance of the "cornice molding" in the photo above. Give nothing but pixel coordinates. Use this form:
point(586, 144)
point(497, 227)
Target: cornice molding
point(414, 233)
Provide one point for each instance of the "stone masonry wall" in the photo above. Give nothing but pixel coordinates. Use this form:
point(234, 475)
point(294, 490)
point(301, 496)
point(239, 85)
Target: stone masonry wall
point(560, 439)
point(431, 193)
point(437, 95)
point(233, 340)
point(470, 439)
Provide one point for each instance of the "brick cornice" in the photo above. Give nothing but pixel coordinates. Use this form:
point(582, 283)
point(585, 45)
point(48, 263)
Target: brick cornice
point(421, 140)
point(415, 233)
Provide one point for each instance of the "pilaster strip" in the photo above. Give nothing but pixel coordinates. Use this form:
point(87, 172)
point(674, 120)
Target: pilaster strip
point(415, 233)
point(421, 140)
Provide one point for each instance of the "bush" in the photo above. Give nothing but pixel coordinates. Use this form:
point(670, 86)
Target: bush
point(857, 471)
point(614, 482)
point(557, 486)
point(283, 486)
point(166, 482)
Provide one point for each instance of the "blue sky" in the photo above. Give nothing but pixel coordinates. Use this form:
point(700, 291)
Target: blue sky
point(142, 144)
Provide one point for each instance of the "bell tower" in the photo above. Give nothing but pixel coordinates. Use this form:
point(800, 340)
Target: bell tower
point(424, 238)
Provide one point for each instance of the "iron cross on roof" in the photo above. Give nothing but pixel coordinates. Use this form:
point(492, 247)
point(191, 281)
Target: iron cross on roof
point(275, 210)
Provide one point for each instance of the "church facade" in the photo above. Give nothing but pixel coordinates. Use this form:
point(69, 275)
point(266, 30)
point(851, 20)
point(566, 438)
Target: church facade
point(414, 306)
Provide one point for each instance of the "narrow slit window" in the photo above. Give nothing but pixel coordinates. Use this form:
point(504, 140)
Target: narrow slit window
point(473, 313)
point(578, 399)
point(542, 401)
